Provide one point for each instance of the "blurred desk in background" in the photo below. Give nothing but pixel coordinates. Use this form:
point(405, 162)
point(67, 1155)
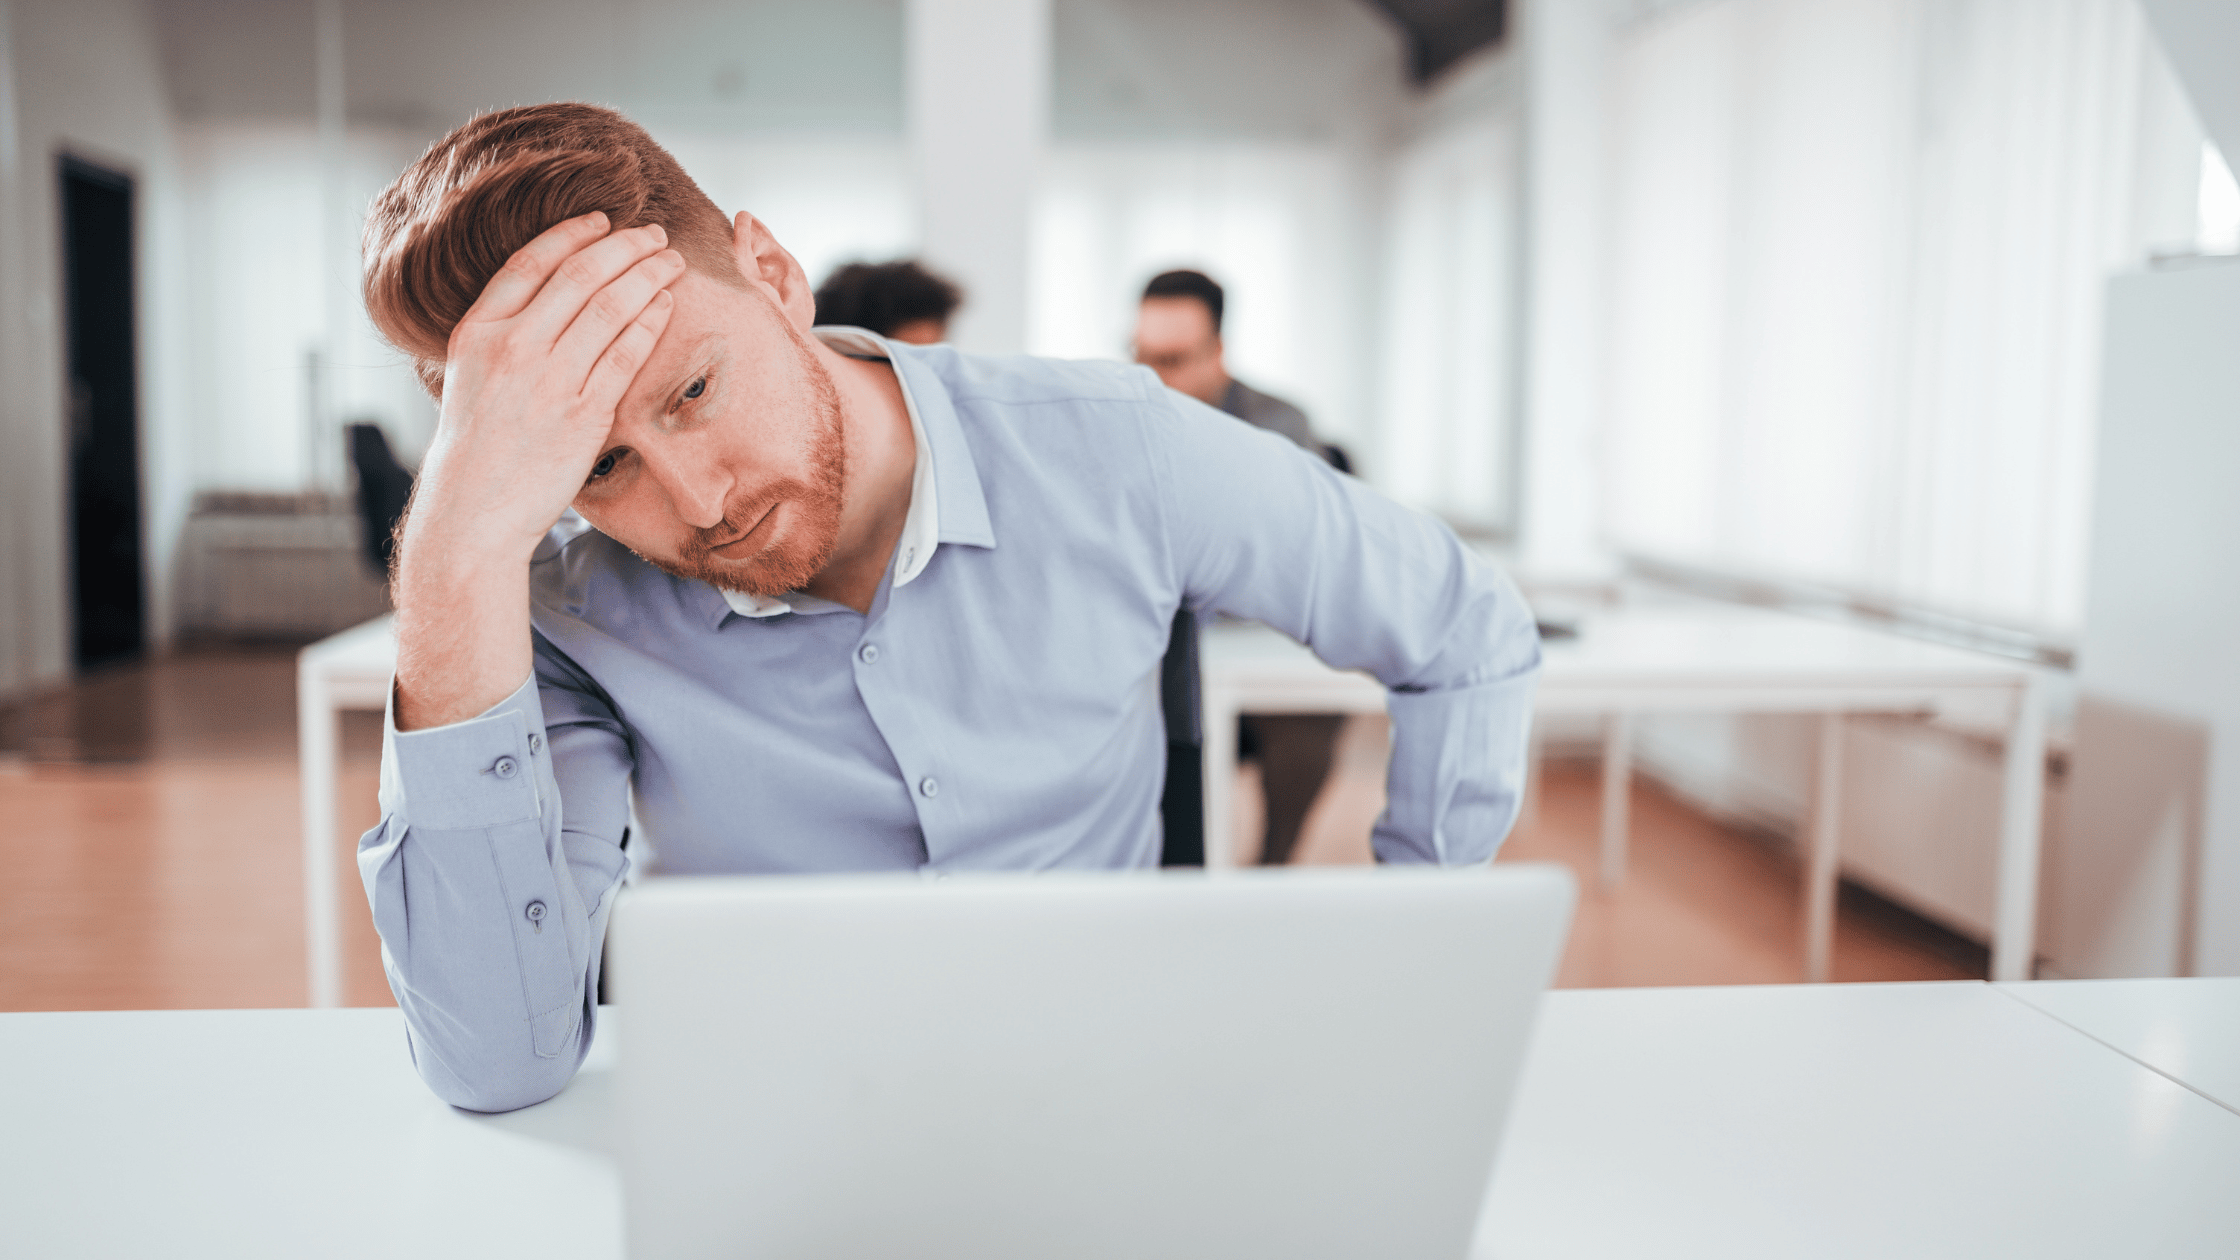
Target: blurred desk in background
point(1922, 1120)
point(350, 670)
point(1699, 658)
point(1660, 658)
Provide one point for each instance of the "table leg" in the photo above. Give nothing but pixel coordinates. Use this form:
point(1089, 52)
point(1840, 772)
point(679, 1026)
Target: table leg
point(1221, 776)
point(1535, 763)
point(316, 750)
point(1617, 795)
point(2014, 938)
point(1822, 848)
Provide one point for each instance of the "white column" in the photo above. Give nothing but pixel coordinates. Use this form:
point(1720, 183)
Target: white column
point(1565, 46)
point(337, 256)
point(979, 103)
point(17, 664)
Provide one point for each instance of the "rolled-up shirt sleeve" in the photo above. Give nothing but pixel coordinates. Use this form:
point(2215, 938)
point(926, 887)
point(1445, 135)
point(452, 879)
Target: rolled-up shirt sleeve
point(1262, 530)
point(490, 890)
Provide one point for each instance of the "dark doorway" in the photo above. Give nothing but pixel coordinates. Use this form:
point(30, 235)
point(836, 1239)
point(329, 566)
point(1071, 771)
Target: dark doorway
point(105, 568)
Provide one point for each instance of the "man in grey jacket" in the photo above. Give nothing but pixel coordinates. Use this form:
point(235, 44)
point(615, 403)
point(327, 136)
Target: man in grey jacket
point(1178, 335)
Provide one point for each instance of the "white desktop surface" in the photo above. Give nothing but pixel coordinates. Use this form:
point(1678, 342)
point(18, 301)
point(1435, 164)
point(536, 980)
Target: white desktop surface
point(1903, 1120)
point(1914, 1120)
point(293, 1133)
point(2188, 1030)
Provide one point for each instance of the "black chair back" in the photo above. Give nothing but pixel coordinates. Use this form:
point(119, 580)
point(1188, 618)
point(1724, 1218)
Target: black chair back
point(384, 488)
point(1182, 805)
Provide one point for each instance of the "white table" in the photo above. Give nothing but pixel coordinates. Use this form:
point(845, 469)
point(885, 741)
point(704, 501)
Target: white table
point(1659, 659)
point(1700, 658)
point(2188, 1030)
point(1850, 1121)
point(1923, 1121)
point(350, 670)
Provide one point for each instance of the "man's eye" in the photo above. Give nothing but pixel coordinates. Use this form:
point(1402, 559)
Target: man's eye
point(696, 388)
point(604, 466)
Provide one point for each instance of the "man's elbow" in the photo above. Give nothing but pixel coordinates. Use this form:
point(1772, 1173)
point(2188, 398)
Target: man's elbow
point(490, 1084)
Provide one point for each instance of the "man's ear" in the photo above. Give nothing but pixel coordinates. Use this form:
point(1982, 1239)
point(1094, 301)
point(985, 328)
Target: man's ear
point(763, 261)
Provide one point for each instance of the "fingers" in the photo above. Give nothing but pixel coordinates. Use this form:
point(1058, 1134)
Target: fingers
point(618, 365)
point(579, 277)
point(612, 309)
point(525, 273)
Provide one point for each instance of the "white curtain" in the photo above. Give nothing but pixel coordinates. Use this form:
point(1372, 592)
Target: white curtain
point(1446, 392)
point(1268, 220)
point(1858, 248)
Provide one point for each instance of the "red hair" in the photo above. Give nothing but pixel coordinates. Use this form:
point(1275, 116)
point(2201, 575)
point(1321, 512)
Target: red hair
point(436, 236)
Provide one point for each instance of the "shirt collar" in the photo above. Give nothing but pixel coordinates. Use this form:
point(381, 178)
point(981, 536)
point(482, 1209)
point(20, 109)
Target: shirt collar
point(921, 526)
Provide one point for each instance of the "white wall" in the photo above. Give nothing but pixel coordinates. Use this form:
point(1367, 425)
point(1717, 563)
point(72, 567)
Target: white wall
point(83, 78)
point(2202, 37)
point(2164, 612)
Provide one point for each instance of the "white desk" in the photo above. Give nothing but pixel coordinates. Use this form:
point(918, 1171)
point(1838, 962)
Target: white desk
point(1688, 658)
point(1850, 1121)
point(1700, 658)
point(2188, 1030)
point(350, 670)
point(1922, 1121)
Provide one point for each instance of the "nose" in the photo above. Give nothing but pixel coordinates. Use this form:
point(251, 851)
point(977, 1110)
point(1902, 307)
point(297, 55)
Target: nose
point(698, 489)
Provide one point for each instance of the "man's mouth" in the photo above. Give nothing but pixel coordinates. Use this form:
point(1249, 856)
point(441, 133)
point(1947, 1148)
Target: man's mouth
point(749, 544)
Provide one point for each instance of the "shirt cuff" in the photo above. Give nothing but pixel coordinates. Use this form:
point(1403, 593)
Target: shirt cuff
point(482, 772)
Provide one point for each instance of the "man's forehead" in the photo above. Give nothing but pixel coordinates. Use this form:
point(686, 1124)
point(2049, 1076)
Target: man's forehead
point(1175, 317)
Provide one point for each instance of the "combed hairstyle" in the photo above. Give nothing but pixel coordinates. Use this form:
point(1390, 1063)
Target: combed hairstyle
point(436, 236)
point(885, 296)
point(1188, 284)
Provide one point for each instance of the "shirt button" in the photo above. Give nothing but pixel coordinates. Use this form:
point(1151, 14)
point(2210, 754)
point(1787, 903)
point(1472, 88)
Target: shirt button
point(505, 767)
point(868, 653)
point(536, 743)
point(535, 911)
point(929, 787)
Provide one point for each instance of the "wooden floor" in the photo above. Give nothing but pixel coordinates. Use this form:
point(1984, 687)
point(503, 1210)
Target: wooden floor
point(148, 825)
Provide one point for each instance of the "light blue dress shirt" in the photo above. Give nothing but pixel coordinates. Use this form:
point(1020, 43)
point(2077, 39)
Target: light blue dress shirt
point(998, 711)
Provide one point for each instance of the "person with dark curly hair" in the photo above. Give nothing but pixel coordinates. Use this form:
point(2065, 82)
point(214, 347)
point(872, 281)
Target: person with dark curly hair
point(900, 300)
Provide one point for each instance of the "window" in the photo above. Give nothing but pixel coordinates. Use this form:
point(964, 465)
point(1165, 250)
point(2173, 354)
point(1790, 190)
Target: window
point(1858, 250)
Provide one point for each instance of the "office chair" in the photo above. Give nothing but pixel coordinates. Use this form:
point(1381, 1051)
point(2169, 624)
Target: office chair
point(1182, 806)
point(384, 488)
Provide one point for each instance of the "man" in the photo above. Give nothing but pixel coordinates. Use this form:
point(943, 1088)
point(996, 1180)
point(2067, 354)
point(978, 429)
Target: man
point(840, 604)
point(901, 301)
point(1178, 335)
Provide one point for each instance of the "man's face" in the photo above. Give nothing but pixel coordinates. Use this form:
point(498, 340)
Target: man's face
point(726, 462)
point(1175, 338)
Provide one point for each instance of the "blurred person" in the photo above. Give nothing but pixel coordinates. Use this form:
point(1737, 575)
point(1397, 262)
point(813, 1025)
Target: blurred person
point(1178, 335)
point(901, 300)
point(827, 602)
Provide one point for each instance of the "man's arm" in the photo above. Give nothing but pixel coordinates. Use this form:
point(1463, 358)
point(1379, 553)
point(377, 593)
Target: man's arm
point(491, 888)
point(1263, 530)
point(490, 873)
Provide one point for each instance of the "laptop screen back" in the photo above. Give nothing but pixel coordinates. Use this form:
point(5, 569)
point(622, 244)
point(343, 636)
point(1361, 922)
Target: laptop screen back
point(1170, 1065)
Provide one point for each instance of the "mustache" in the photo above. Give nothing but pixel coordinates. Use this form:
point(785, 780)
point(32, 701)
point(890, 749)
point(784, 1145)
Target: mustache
point(737, 520)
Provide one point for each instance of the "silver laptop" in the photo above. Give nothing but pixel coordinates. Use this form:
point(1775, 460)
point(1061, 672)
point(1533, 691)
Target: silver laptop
point(1149, 1066)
